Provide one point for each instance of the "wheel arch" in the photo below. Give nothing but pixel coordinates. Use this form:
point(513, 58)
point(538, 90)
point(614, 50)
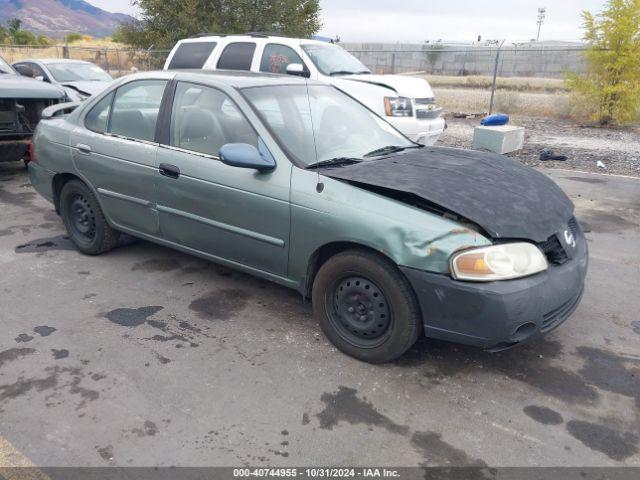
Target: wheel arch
point(325, 252)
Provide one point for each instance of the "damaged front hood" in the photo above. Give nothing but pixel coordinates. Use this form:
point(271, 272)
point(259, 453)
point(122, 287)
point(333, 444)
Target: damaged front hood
point(87, 87)
point(502, 196)
point(17, 86)
point(404, 86)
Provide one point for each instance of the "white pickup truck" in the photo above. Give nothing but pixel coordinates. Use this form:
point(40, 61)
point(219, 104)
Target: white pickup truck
point(407, 103)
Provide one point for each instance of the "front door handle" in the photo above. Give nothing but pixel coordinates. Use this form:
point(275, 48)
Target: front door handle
point(83, 148)
point(169, 170)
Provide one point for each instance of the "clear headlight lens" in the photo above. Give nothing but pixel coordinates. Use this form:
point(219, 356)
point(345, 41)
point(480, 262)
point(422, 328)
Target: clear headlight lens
point(498, 262)
point(398, 107)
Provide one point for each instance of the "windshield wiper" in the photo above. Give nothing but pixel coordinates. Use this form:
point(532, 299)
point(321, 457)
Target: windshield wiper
point(334, 161)
point(389, 149)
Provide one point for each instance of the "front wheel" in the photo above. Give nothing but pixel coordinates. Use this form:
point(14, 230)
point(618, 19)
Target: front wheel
point(84, 219)
point(366, 307)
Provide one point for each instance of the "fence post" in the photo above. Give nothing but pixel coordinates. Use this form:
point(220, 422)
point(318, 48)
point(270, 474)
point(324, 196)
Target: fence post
point(393, 63)
point(495, 78)
point(118, 59)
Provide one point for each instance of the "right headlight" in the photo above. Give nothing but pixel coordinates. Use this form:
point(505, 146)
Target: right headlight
point(398, 107)
point(498, 262)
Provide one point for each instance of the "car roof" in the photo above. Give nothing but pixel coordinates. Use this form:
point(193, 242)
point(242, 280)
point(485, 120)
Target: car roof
point(49, 61)
point(235, 79)
point(255, 36)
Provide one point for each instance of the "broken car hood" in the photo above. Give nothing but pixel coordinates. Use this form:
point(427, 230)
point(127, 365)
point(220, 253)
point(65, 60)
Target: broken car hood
point(502, 196)
point(17, 86)
point(404, 86)
point(87, 87)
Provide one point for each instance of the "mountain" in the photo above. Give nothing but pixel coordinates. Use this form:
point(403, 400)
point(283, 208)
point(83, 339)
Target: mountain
point(56, 18)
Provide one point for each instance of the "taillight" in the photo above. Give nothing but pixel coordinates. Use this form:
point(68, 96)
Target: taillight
point(32, 153)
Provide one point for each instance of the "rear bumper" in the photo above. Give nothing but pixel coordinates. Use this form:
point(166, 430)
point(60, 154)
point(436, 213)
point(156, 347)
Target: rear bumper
point(42, 180)
point(14, 150)
point(500, 315)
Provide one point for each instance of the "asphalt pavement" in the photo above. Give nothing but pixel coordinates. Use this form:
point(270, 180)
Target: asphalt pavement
point(149, 357)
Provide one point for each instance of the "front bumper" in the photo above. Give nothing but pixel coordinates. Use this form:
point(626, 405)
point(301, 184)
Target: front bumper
point(422, 131)
point(499, 315)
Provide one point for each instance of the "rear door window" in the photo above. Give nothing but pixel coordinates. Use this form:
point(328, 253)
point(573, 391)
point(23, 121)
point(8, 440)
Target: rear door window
point(135, 109)
point(276, 58)
point(98, 117)
point(237, 56)
point(191, 55)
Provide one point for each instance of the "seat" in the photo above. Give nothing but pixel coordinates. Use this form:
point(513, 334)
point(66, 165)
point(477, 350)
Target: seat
point(131, 123)
point(200, 131)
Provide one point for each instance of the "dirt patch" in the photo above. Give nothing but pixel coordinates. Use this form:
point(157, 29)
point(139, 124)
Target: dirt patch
point(614, 444)
point(345, 406)
point(220, 305)
point(131, 317)
point(543, 415)
point(617, 149)
point(14, 354)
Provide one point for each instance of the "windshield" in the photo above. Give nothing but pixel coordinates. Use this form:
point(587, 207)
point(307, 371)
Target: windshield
point(5, 67)
point(325, 125)
point(333, 60)
point(72, 72)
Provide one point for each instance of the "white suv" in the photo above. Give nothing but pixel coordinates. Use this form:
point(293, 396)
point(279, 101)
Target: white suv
point(406, 102)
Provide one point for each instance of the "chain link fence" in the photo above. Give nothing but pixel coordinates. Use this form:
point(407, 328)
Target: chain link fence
point(528, 60)
point(116, 61)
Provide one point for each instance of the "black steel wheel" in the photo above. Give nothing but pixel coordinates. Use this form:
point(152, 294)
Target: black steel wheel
point(83, 218)
point(366, 307)
point(359, 312)
point(85, 222)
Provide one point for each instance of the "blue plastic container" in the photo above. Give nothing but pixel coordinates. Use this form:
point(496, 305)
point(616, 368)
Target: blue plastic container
point(495, 120)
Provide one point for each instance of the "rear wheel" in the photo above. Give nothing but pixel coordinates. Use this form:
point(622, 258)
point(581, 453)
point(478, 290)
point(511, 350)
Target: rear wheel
point(84, 219)
point(366, 307)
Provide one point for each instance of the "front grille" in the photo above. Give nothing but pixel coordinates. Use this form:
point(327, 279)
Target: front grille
point(574, 227)
point(425, 101)
point(555, 317)
point(552, 249)
point(428, 114)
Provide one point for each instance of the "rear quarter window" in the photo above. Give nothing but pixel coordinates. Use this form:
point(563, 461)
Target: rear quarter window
point(237, 56)
point(191, 55)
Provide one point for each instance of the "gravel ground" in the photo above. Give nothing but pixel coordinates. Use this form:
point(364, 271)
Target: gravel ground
point(617, 149)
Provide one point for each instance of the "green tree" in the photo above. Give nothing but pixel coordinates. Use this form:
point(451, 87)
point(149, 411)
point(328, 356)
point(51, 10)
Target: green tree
point(72, 37)
point(164, 22)
point(611, 84)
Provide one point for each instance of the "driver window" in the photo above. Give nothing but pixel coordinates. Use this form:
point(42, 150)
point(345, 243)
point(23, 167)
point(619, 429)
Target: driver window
point(204, 119)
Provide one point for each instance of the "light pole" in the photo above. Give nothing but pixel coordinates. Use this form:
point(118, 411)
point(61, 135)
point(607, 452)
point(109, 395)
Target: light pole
point(542, 14)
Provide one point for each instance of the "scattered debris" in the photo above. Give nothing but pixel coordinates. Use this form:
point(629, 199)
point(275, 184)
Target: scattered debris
point(547, 154)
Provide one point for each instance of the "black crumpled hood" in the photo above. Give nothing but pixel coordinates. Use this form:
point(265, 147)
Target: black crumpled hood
point(502, 196)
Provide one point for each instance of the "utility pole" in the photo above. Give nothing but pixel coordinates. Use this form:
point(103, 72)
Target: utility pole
point(542, 14)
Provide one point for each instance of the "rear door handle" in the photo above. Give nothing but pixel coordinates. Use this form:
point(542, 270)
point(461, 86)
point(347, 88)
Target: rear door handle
point(169, 170)
point(83, 148)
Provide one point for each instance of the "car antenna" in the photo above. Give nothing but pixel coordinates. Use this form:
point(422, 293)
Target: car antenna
point(319, 184)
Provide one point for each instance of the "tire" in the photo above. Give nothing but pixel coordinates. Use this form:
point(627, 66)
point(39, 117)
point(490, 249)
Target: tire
point(84, 220)
point(366, 307)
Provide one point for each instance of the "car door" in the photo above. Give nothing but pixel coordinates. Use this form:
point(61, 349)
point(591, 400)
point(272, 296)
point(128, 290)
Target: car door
point(115, 151)
point(233, 214)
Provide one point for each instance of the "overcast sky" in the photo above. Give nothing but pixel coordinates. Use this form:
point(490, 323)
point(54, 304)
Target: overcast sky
point(453, 20)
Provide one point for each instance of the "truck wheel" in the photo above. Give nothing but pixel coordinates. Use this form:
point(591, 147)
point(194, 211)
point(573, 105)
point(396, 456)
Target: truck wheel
point(84, 220)
point(366, 307)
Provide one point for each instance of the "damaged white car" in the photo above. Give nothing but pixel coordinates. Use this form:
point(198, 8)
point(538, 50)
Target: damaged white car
point(407, 103)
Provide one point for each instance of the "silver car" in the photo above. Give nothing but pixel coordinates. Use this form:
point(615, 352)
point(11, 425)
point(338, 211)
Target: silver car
point(78, 78)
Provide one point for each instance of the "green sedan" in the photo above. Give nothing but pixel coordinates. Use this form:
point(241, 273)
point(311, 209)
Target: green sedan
point(298, 183)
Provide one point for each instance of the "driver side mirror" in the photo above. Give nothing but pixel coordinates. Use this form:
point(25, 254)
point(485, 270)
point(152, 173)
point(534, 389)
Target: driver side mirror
point(243, 155)
point(40, 78)
point(298, 70)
